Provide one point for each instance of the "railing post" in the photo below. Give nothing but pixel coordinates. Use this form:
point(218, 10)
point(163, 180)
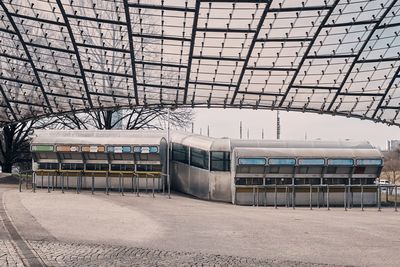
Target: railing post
point(137, 184)
point(153, 185)
point(20, 183)
point(362, 197)
point(293, 197)
point(327, 196)
point(107, 183)
point(62, 183)
point(132, 184)
point(379, 197)
point(34, 181)
point(92, 183)
point(48, 182)
point(265, 196)
point(52, 182)
point(254, 195)
point(395, 198)
point(122, 184)
point(286, 197)
point(345, 197)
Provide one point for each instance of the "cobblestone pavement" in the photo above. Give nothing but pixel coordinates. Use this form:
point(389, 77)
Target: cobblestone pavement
point(72, 254)
point(8, 254)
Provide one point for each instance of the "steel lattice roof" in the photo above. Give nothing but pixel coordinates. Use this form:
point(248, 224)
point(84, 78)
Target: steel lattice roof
point(338, 57)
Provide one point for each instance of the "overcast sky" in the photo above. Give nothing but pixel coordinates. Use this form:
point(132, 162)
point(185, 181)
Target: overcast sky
point(294, 125)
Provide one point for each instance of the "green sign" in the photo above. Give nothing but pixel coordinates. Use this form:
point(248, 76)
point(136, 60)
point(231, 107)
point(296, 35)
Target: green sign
point(42, 148)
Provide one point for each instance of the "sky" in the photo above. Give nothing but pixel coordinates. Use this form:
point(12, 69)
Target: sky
point(294, 126)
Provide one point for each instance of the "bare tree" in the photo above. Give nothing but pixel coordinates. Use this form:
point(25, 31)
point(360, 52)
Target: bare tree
point(127, 119)
point(391, 169)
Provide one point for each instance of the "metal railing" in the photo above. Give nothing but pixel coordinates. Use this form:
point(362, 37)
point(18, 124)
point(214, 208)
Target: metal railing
point(52, 180)
point(288, 193)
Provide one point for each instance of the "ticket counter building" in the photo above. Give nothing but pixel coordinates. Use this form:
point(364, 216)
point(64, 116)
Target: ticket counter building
point(244, 172)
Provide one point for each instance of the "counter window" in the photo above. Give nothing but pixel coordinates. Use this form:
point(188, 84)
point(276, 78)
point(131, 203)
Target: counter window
point(338, 170)
point(310, 170)
point(199, 158)
point(122, 167)
point(180, 153)
point(96, 167)
point(48, 166)
point(220, 161)
point(72, 166)
point(148, 168)
point(280, 169)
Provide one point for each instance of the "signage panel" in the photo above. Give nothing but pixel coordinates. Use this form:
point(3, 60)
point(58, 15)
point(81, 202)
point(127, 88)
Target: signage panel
point(67, 148)
point(119, 149)
point(311, 162)
point(282, 161)
point(153, 149)
point(377, 162)
point(145, 149)
point(343, 162)
point(43, 148)
point(93, 148)
point(252, 161)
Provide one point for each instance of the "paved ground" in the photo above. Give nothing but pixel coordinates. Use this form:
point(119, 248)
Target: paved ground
point(83, 230)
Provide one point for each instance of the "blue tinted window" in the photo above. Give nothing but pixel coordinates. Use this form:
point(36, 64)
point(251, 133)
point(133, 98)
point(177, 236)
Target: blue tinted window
point(369, 162)
point(282, 161)
point(311, 161)
point(340, 162)
point(252, 161)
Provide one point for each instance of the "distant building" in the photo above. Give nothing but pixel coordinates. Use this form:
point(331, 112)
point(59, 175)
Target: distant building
point(393, 145)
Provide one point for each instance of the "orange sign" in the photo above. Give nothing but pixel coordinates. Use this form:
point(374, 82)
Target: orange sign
point(67, 148)
point(93, 148)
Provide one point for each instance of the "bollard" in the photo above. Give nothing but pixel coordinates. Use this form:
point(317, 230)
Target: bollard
point(310, 197)
point(318, 195)
point(67, 181)
point(26, 181)
point(20, 184)
point(362, 197)
point(276, 197)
